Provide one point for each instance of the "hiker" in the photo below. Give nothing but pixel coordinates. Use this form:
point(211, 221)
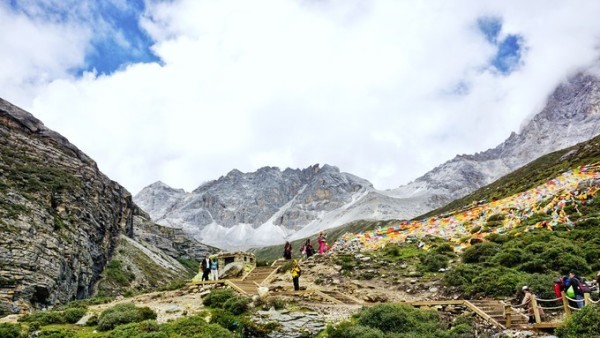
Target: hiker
point(296, 272)
point(205, 268)
point(576, 285)
point(287, 250)
point(322, 243)
point(526, 302)
point(214, 268)
point(309, 248)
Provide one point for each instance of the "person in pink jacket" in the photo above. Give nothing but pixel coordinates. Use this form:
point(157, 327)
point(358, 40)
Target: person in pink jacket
point(322, 243)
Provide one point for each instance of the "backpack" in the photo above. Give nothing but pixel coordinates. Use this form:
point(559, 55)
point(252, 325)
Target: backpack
point(571, 292)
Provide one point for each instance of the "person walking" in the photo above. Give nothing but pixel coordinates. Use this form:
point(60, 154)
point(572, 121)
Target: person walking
point(527, 303)
point(576, 284)
point(214, 268)
point(205, 268)
point(296, 272)
point(287, 250)
point(322, 243)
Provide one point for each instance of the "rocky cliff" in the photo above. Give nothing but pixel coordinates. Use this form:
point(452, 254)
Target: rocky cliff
point(61, 219)
point(269, 206)
point(59, 215)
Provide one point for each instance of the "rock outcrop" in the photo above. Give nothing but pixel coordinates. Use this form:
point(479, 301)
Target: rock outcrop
point(60, 217)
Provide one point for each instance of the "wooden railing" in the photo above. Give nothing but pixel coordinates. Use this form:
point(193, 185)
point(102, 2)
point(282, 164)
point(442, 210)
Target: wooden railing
point(564, 299)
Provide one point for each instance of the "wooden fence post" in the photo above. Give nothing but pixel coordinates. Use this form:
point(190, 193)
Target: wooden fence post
point(507, 315)
point(588, 300)
point(566, 303)
point(536, 311)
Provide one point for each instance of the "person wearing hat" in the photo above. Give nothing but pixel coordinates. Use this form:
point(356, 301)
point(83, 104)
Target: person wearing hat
point(526, 302)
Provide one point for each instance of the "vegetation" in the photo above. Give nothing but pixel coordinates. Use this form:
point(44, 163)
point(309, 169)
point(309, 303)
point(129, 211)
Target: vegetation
point(583, 323)
point(398, 320)
point(8, 330)
point(123, 314)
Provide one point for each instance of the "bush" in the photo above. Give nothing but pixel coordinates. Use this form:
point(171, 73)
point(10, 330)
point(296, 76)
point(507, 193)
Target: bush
point(480, 252)
point(497, 281)
point(583, 323)
point(236, 305)
point(8, 330)
point(217, 298)
point(254, 329)
point(123, 314)
point(399, 318)
point(73, 315)
point(510, 257)
point(135, 330)
point(54, 333)
point(44, 318)
point(433, 262)
point(225, 318)
point(542, 285)
point(462, 275)
point(350, 330)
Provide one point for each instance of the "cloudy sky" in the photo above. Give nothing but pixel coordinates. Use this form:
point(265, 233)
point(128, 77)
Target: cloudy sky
point(183, 91)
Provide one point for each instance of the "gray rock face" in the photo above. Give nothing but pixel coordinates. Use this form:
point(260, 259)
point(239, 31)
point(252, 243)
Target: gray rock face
point(61, 219)
point(571, 116)
point(285, 200)
point(267, 207)
point(59, 215)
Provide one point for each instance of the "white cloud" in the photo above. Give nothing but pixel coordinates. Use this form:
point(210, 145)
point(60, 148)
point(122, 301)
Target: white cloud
point(363, 85)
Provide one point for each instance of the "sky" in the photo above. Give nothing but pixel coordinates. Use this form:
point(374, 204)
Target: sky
point(184, 91)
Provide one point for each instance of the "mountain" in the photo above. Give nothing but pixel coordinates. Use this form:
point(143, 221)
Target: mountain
point(260, 208)
point(62, 220)
point(571, 116)
point(242, 210)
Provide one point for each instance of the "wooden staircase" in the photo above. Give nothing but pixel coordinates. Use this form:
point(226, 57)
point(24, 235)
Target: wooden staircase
point(493, 311)
point(258, 276)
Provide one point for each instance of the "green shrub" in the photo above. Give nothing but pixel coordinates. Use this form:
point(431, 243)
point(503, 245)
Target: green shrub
point(225, 318)
point(8, 330)
point(480, 252)
point(583, 323)
point(496, 217)
point(497, 281)
point(45, 317)
point(185, 327)
point(350, 330)
point(498, 238)
point(399, 318)
point(510, 257)
point(254, 329)
point(443, 249)
point(138, 330)
point(462, 275)
point(115, 273)
point(217, 298)
point(56, 333)
point(123, 314)
point(433, 262)
point(236, 305)
point(73, 315)
point(542, 285)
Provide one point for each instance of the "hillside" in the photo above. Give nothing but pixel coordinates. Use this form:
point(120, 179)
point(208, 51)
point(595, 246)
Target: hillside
point(62, 221)
point(539, 172)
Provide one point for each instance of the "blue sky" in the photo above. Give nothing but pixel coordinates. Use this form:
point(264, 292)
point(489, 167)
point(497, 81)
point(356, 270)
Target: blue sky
point(183, 91)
